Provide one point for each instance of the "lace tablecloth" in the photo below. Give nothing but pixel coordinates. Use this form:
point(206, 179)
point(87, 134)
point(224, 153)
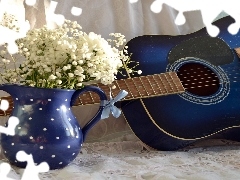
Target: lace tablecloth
point(130, 160)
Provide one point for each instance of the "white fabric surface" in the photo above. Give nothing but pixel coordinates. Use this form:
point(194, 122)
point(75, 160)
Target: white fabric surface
point(130, 161)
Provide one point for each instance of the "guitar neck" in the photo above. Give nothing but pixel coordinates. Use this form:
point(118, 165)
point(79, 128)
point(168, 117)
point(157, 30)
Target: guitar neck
point(138, 87)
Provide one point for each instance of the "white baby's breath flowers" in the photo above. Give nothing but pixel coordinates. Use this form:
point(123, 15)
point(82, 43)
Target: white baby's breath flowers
point(66, 58)
point(52, 77)
point(10, 21)
point(139, 71)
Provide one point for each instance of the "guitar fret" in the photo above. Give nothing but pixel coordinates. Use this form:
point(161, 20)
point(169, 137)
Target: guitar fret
point(167, 84)
point(140, 78)
point(129, 88)
point(177, 86)
point(176, 81)
point(117, 89)
point(117, 85)
point(137, 89)
point(174, 87)
point(170, 82)
point(96, 97)
point(148, 86)
point(163, 82)
point(151, 84)
point(173, 82)
point(91, 97)
point(123, 85)
point(79, 101)
point(154, 85)
point(86, 98)
point(162, 92)
point(158, 88)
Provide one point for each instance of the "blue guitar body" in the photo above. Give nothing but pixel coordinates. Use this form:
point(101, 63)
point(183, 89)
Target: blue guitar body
point(209, 69)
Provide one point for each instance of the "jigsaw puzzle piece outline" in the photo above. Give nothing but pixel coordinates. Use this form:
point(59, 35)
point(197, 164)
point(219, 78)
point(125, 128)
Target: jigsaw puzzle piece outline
point(30, 2)
point(12, 121)
point(75, 10)
point(10, 129)
point(31, 169)
point(5, 169)
point(234, 12)
point(208, 14)
point(133, 1)
point(4, 105)
point(54, 13)
point(209, 10)
point(10, 36)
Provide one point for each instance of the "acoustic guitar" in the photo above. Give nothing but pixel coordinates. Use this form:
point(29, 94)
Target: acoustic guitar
point(189, 89)
point(209, 71)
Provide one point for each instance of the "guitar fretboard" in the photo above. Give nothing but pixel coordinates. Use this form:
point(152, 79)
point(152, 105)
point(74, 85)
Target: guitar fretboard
point(138, 87)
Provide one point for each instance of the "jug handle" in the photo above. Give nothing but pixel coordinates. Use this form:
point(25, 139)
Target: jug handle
point(97, 116)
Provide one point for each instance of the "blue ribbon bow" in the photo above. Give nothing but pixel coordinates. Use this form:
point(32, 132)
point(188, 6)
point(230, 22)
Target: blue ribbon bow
point(109, 105)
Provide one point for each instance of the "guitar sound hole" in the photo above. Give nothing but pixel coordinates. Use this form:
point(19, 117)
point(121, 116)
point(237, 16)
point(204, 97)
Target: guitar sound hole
point(198, 79)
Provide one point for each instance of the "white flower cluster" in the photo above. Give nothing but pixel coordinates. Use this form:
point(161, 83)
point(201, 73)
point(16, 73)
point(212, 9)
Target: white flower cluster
point(9, 21)
point(66, 58)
